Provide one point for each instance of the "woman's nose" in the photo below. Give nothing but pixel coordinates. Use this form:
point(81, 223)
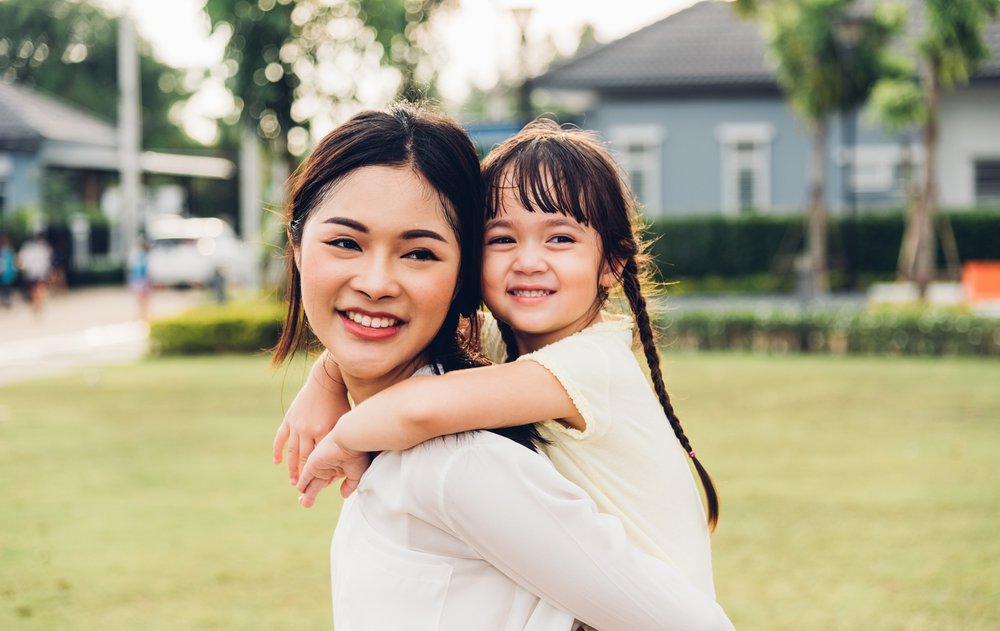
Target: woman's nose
point(376, 279)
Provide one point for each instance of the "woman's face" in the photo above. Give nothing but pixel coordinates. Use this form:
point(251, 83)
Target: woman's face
point(379, 264)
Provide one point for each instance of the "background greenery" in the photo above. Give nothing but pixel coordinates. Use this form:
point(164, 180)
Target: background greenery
point(857, 493)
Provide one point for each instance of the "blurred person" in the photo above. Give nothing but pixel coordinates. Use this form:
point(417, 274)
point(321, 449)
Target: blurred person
point(138, 277)
point(35, 261)
point(8, 270)
point(475, 530)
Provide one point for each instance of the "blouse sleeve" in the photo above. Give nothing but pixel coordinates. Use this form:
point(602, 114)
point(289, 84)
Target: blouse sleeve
point(584, 367)
point(546, 534)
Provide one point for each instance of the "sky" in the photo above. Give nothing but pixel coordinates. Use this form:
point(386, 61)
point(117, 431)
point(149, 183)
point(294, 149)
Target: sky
point(479, 38)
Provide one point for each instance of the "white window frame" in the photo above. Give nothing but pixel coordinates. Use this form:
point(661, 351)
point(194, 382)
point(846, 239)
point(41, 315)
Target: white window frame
point(876, 168)
point(650, 163)
point(730, 136)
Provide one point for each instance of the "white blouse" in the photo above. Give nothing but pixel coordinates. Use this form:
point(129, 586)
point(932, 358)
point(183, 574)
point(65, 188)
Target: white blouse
point(476, 532)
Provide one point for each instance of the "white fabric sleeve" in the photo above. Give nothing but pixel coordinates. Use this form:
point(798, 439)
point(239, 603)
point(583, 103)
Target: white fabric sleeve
point(584, 369)
point(546, 534)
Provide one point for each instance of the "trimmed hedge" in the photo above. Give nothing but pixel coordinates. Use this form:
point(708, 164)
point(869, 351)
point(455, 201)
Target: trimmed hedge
point(863, 332)
point(231, 328)
point(719, 246)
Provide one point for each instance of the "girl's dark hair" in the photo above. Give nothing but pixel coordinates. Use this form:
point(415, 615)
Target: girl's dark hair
point(433, 145)
point(559, 169)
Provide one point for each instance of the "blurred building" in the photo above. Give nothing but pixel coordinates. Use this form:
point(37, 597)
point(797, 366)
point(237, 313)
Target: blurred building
point(44, 140)
point(692, 108)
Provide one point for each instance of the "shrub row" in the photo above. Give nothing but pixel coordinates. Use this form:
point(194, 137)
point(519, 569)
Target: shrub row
point(864, 245)
point(231, 328)
point(863, 332)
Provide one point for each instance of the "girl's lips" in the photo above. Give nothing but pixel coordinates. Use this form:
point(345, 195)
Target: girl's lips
point(368, 332)
point(530, 296)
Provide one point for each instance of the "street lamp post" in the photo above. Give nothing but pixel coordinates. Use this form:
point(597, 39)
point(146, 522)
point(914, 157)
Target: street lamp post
point(522, 15)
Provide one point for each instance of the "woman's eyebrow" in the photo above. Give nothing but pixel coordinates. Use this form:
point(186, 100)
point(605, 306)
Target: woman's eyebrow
point(349, 223)
point(423, 234)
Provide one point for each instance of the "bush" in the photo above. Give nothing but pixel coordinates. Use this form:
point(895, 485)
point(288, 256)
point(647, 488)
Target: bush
point(892, 332)
point(860, 248)
point(233, 328)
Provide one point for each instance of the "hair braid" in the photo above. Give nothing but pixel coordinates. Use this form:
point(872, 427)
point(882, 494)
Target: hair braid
point(507, 335)
point(631, 285)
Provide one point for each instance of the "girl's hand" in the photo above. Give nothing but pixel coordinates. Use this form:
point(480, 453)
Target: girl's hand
point(312, 414)
point(328, 462)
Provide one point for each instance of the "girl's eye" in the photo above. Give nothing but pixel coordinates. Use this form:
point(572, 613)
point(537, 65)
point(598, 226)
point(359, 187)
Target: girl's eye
point(344, 243)
point(562, 238)
point(421, 255)
point(500, 241)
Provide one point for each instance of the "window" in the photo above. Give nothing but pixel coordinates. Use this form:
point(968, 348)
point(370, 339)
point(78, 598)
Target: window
point(639, 151)
point(987, 180)
point(746, 166)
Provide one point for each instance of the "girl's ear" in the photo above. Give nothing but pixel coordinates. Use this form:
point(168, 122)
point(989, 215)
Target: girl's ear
point(611, 273)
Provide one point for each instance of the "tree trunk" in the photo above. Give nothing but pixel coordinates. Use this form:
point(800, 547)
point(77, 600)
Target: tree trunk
point(924, 264)
point(817, 212)
point(908, 248)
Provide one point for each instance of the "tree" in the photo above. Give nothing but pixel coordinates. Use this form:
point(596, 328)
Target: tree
point(289, 61)
point(951, 46)
point(68, 48)
point(822, 73)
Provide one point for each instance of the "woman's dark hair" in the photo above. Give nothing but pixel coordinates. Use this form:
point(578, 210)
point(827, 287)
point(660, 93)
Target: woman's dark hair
point(558, 169)
point(433, 145)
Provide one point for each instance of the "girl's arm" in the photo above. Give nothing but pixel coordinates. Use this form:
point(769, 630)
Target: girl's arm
point(313, 413)
point(421, 408)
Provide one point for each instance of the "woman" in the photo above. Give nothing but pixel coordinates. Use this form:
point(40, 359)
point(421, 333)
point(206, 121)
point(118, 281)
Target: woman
point(469, 531)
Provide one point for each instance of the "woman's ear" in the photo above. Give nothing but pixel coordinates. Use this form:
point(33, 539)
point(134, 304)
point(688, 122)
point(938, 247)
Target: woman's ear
point(296, 252)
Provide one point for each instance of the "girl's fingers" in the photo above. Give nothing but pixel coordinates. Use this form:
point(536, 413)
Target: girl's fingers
point(279, 442)
point(306, 446)
point(293, 457)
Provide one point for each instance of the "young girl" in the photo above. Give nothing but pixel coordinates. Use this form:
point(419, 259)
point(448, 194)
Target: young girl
point(559, 238)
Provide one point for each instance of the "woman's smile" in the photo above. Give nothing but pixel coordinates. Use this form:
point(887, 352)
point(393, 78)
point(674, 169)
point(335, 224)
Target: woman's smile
point(379, 265)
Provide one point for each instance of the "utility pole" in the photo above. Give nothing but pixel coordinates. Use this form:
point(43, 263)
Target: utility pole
point(128, 133)
point(250, 199)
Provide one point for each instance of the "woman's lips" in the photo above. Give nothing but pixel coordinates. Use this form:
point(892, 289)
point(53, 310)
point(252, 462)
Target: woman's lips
point(370, 326)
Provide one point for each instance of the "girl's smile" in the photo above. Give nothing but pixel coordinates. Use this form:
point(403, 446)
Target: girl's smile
point(541, 273)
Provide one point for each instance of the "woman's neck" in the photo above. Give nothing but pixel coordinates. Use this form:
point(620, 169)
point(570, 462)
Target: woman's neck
point(361, 388)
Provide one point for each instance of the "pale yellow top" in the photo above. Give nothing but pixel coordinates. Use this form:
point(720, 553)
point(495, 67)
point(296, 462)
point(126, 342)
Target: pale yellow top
point(628, 458)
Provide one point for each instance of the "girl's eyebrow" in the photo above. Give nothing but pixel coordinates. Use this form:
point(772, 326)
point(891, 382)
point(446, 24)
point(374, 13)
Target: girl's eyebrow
point(552, 222)
point(408, 235)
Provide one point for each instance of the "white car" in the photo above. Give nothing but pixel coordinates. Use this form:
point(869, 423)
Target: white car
point(194, 251)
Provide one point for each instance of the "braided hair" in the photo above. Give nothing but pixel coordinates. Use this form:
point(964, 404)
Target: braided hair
point(560, 169)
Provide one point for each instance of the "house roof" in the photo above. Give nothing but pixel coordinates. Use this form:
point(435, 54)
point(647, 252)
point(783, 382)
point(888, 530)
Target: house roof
point(707, 46)
point(27, 117)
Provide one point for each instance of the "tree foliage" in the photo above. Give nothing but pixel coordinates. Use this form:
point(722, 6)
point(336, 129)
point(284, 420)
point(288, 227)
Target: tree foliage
point(68, 49)
point(290, 61)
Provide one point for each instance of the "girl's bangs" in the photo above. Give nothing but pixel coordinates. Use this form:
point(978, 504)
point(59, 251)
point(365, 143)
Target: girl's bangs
point(542, 180)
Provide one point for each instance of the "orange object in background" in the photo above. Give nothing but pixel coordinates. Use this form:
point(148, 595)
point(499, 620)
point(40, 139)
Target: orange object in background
point(981, 280)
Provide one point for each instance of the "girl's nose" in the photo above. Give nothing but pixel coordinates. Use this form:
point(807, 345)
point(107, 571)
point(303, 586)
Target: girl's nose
point(376, 278)
point(530, 259)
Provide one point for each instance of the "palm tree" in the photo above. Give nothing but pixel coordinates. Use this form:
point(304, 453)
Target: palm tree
point(827, 60)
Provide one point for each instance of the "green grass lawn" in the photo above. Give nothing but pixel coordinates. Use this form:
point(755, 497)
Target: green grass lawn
point(857, 493)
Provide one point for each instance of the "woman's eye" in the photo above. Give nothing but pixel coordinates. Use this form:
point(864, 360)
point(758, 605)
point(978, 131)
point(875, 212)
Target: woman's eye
point(500, 241)
point(421, 255)
point(344, 243)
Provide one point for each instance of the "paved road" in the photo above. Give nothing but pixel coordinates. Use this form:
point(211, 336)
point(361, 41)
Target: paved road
point(79, 328)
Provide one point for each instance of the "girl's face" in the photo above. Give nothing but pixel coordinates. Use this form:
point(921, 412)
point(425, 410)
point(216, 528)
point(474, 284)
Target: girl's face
point(541, 273)
point(379, 265)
